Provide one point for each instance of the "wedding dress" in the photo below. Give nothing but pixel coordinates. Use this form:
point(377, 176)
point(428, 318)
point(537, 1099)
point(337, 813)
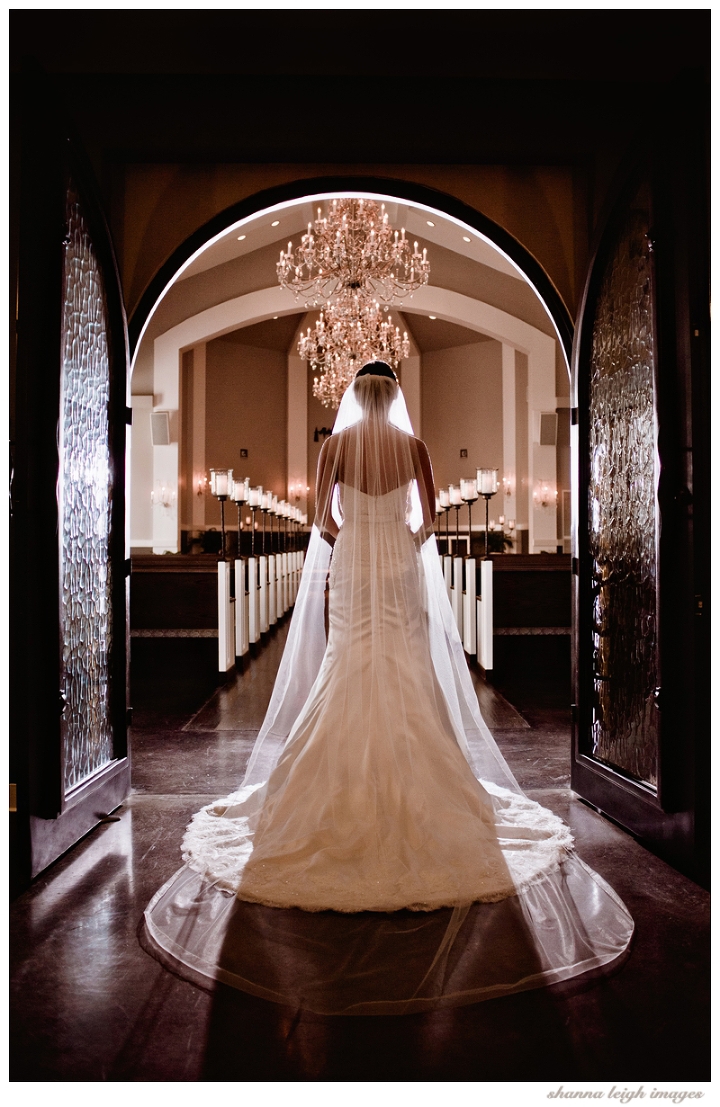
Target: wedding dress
point(379, 856)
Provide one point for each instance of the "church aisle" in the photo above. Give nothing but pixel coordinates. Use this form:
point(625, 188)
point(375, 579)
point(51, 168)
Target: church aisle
point(90, 1005)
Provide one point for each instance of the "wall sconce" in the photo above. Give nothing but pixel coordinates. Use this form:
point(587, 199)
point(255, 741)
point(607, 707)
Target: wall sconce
point(509, 486)
point(545, 494)
point(163, 496)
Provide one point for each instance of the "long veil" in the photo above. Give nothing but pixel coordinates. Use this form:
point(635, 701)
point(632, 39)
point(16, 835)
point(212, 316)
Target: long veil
point(306, 642)
point(543, 915)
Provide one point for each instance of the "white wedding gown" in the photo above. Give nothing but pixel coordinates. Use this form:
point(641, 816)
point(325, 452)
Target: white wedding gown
point(420, 885)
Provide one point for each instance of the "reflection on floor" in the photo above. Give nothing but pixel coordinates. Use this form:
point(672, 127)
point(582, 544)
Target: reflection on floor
point(90, 1005)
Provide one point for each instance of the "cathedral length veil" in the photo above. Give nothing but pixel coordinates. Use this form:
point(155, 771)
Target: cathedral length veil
point(375, 798)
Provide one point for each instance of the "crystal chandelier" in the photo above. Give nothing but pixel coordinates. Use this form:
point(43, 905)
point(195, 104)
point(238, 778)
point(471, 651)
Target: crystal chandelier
point(352, 252)
point(347, 335)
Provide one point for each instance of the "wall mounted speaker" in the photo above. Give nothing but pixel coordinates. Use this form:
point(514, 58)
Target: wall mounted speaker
point(160, 428)
point(548, 428)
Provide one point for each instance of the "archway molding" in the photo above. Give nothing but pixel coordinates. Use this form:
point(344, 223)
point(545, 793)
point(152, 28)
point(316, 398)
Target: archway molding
point(320, 188)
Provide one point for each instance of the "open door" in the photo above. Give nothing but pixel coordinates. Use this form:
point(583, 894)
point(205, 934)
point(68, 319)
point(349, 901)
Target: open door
point(68, 604)
point(641, 736)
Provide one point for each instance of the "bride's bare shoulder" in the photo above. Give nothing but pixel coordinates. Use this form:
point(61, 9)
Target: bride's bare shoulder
point(330, 444)
point(418, 444)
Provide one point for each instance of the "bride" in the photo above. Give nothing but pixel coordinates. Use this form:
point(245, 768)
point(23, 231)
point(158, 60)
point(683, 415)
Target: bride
point(376, 800)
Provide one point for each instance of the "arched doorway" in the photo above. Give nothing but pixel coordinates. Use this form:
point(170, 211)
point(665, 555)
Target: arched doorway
point(523, 316)
point(491, 287)
point(479, 229)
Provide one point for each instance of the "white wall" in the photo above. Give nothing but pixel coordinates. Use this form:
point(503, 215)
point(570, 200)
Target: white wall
point(141, 473)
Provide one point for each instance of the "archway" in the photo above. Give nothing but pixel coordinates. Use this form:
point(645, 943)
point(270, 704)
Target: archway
point(322, 187)
point(216, 242)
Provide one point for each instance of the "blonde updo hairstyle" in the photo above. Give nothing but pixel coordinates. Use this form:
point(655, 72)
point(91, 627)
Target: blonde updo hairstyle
point(376, 388)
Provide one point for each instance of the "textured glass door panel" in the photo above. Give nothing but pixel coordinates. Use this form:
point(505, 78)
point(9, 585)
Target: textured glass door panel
point(622, 507)
point(84, 503)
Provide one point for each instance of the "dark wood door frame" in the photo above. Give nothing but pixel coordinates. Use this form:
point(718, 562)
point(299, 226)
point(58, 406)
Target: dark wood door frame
point(674, 820)
point(49, 819)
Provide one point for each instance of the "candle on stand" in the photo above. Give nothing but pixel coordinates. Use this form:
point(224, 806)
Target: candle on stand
point(468, 490)
point(487, 482)
point(221, 482)
point(444, 497)
point(239, 491)
point(455, 496)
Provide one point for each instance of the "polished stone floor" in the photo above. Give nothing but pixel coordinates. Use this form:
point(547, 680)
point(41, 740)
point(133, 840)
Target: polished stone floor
point(89, 1005)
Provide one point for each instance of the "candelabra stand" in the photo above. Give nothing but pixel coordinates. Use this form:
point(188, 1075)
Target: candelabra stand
point(264, 513)
point(239, 511)
point(469, 493)
point(220, 484)
point(487, 496)
point(439, 512)
point(253, 508)
point(487, 486)
point(240, 496)
point(222, 500)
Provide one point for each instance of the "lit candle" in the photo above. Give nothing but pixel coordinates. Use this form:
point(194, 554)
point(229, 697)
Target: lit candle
point(468, 490)
point(438, 506)
point(254, 497)
point(220, 481)
point(266, 501)
point(455, 496)
point(444, 497)
point(487, 482)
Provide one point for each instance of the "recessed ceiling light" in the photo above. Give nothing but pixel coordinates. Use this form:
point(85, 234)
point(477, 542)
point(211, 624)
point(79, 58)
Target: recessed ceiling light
point(466, 239)
point(432, 316)
point(277, 224)
point(430, 223)
point(274, 316)
point(241, 237)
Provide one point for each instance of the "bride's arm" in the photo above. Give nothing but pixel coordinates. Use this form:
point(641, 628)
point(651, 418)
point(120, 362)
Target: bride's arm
point(426, 486)
point(326, 481)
